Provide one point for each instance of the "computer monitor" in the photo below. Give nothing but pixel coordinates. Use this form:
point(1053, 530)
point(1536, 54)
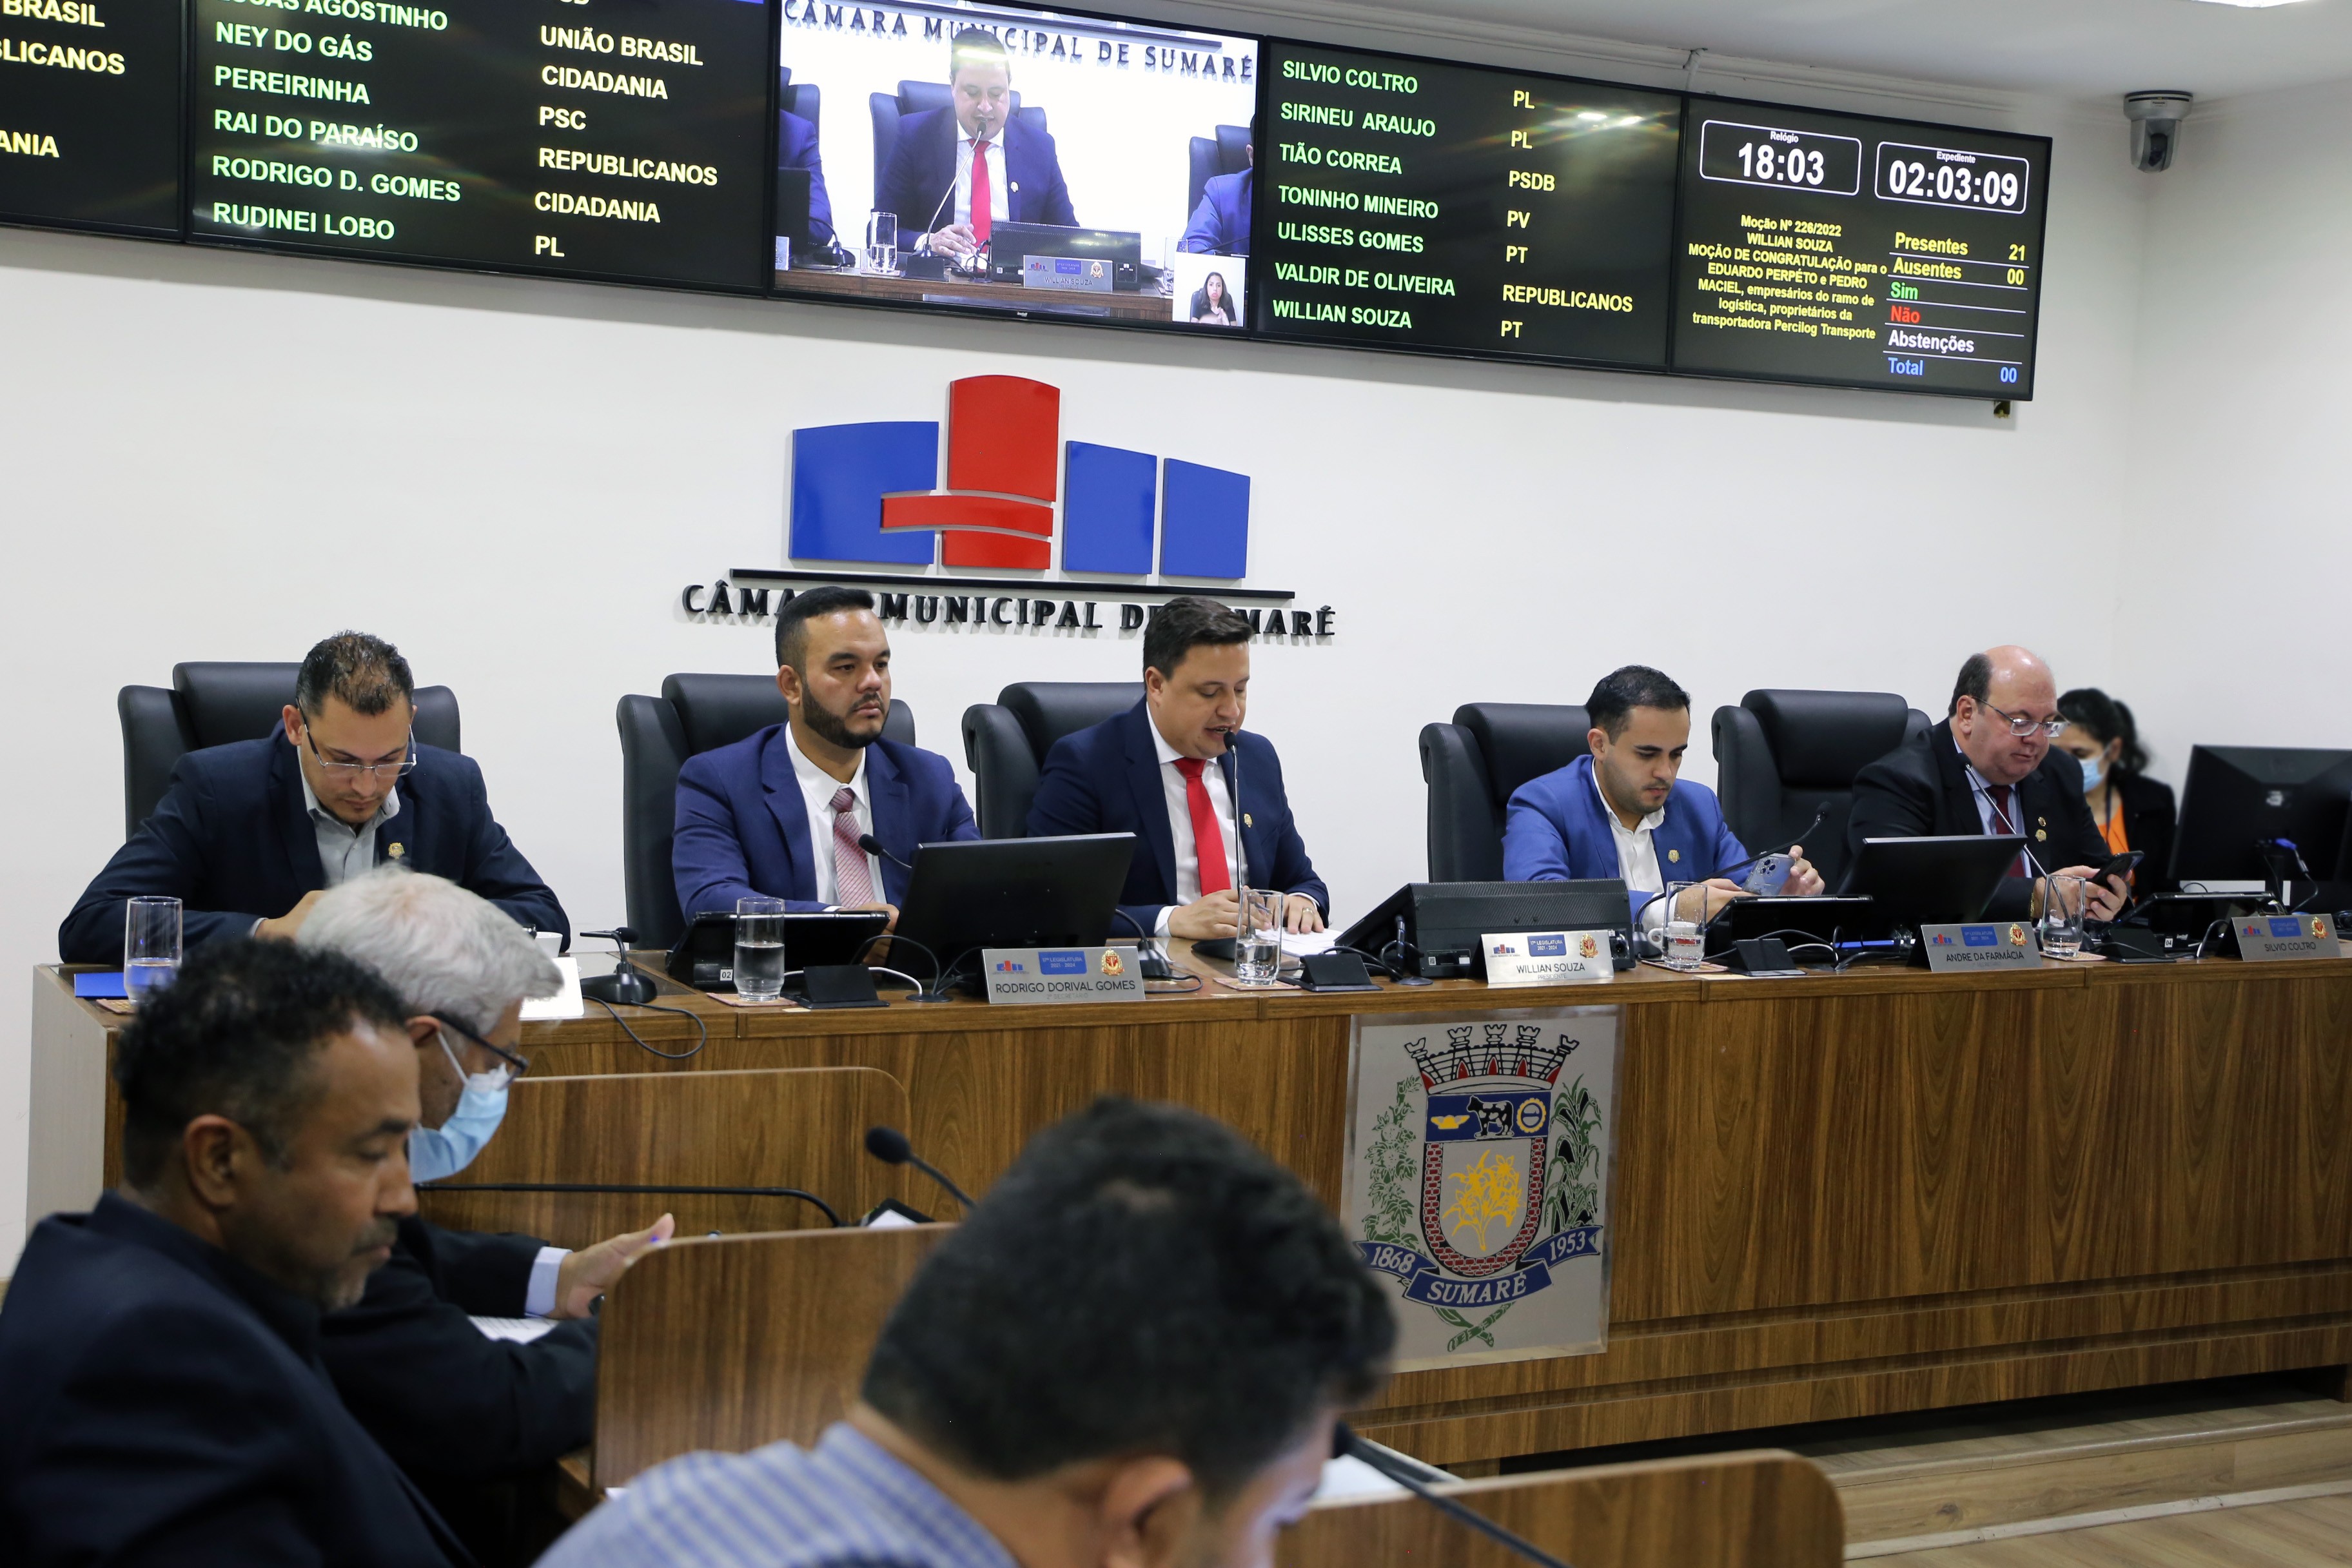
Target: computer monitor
point(1012, 244)
point(1936, 880)
point(1444, 921)
point(1010, 892)
point(2236, 796)
point(1807, 924)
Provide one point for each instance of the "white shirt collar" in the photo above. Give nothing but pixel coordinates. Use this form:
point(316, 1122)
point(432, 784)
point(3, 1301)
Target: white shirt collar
point(813, 777)
point(1167, 753)
point(1649, 824)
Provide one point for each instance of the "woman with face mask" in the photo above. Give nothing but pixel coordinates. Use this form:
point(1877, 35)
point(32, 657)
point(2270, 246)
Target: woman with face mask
point(2133, 811)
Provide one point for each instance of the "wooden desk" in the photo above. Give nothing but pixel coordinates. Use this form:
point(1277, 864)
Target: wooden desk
point(1011, 298)
point(1758, 1510)
point(1839, 1195)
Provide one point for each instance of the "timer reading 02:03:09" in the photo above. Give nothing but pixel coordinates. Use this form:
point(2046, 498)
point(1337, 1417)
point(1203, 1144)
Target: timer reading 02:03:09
point(1952, 177)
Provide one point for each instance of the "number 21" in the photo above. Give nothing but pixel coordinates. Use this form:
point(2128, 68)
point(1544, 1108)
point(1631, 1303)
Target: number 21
point(2017, 253)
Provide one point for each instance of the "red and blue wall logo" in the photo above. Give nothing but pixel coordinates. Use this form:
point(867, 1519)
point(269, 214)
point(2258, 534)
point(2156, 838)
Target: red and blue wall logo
point(872, 493)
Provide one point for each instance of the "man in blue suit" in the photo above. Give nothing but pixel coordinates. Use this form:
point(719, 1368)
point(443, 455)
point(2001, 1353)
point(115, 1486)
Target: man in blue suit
point(956, 173)
point(780, 813)
point(1148, 772)
point(167, 1399)
point(1622, 812)
point(796, 149)
point(1221, 224)
point(251, 833)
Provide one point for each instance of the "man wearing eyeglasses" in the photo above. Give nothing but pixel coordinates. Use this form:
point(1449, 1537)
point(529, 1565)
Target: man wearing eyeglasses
point(251, 833)
point(1989, 769)
point(456, 1409)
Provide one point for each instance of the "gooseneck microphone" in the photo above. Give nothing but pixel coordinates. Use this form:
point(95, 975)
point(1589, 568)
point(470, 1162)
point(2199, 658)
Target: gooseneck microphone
point(1346, 1445)
point(873, 846)
point(890, 1145)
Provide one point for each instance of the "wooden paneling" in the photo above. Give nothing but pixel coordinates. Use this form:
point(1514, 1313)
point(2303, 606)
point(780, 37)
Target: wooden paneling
point(1761, 1509)
point(746, 1340)
point(768, 1128)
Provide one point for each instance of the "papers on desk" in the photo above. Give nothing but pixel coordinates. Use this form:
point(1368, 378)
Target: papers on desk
point(1299, 943)
point(564, 1003)
point(104, 982)
point(522, 1331)
point(1352, 1477)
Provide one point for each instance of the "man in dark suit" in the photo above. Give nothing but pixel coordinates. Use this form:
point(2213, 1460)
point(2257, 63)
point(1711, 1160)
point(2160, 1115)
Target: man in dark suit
point(1989, 769)
point(460, 1412)
point(1148, 771)
point(166, 1397)
point(1221, 224)
point(955, 172)
point(780, 812)
point(251, 833)
point(796, 149)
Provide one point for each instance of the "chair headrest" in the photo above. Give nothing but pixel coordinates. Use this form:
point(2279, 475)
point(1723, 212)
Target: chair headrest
point(718, 711)
point(1232, 143)
point(232, 701)
point(1049, 710)
point(1820, 740)
point(1521, 740)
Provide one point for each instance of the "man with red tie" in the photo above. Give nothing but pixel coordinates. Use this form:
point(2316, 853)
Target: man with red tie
point(1165, 771)
point(956, 173)
point(1989, 768)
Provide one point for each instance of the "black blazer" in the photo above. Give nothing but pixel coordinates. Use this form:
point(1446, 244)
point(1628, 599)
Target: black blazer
point(1921, 790)
point(444, 1402)
point(918, 181)
point(166, 1406)
point(1106, 779)
point(233, 842)
point(2149, 818)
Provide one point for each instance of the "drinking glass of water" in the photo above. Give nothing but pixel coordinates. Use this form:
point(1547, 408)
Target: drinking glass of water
point(1257, 944)
point(1685, 931)
point(759, 947)
point(151, 945)
point(882, 243)
point(2062, 916)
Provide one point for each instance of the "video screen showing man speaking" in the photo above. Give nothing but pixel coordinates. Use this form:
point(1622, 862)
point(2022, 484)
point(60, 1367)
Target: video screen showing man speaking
point(994, 157)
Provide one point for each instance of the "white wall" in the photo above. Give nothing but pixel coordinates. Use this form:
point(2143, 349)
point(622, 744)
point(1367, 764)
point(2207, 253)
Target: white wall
point(226, 456)
point(2237, 556)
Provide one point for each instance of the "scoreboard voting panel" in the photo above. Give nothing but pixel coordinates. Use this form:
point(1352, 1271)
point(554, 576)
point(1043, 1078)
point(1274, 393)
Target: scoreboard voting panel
point(1408, 204)
point(89, 113)
point(1873, 253)
point(619, 139)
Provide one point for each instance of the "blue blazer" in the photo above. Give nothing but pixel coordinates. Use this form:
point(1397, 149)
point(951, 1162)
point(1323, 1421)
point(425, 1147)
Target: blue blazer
point(796, 149)
point(1221, 224)
point(167, 1404)
point(1555, 832)
point(919, 179)
point(743, 827)
point(1106, 779)
point(233, 841)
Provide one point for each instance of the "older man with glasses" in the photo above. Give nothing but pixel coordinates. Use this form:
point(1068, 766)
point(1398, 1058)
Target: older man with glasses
point(1989, 769)
point(251, 833)
point(458, 1410)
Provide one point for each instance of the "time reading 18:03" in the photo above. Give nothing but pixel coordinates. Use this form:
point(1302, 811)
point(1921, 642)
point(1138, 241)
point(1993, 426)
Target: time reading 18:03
point(1952, 177)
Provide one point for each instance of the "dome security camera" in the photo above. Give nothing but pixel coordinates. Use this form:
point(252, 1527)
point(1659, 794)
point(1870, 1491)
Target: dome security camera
point(2155, 118)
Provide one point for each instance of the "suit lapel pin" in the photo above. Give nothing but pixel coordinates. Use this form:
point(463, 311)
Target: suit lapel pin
point(1013, 185)
point(1673, 855)
point(397, 852)
point(2039, 834)
point(1247, 820)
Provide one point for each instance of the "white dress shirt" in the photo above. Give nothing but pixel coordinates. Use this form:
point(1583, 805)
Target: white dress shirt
point(1179, 820)
point(1637, 852)
point(817, 790)
point(345, 851)
point(997, 189)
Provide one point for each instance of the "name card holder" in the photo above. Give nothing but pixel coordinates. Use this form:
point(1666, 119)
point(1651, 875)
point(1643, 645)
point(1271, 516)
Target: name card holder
point(1968, 949)
point(1054, 975)
point(2272, 938)
point(1547, 957)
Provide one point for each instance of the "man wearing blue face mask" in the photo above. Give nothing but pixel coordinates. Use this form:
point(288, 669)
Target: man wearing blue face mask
point(462, 1413)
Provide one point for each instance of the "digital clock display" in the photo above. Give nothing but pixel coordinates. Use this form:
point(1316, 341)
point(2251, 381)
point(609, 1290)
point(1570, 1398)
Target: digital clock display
point(1790, 267)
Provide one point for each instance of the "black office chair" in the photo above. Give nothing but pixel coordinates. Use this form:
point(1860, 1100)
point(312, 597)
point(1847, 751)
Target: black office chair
point(1226, 153)
point(212, 704)
point(805, 101)
point(694, 713)
point(1780, 756)
point(1005, 741)
point(1474, 764)
point(916, 98)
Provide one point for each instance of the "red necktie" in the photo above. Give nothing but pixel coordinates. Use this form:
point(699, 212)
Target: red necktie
point(1208, 840)
point(2004, 822)
point(982, 197)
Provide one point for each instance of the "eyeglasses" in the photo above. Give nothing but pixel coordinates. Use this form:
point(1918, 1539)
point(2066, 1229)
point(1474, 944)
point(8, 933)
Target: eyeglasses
point(2019, 724)
point(516, 1065)
point(399, 770)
